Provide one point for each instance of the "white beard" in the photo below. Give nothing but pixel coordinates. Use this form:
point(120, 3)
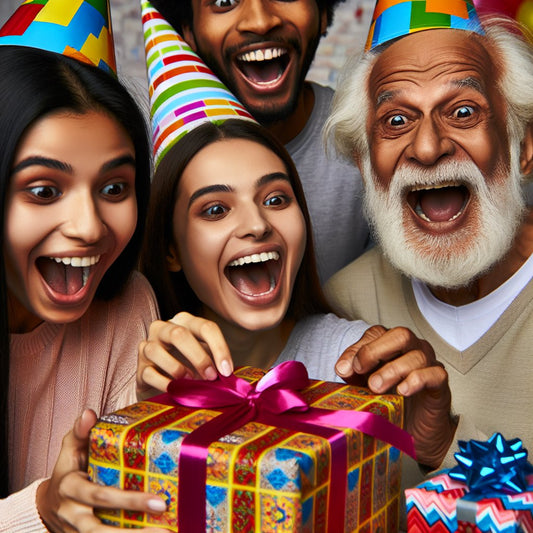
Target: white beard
point(456, 259)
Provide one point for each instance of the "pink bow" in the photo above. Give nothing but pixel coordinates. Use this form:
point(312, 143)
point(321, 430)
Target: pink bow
point(274, 401)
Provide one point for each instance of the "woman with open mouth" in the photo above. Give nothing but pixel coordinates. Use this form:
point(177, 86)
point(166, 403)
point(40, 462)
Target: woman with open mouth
point(74, 186)
point(229, 240)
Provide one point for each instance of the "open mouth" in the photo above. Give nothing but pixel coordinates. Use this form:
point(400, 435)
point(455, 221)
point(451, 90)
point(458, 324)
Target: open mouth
point(256, 274)
point(264, 66)
point(444, 203)
point(66, 275)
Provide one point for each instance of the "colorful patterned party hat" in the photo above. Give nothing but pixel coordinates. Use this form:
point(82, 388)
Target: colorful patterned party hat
point(76, 28)
point(184, 92)
point(396, 18)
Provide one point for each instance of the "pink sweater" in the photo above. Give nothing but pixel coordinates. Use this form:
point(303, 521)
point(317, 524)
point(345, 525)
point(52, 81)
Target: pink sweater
point(56, 372)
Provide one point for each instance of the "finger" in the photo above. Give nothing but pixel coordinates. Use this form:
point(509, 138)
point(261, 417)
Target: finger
point(209, 333)
point(432, 378)
point(154, 379)
point(77, 487)
point(348, 363)
point(152, 353)
point(169, 336)
point(83, 520)
point(392, 344)
point(84, 424)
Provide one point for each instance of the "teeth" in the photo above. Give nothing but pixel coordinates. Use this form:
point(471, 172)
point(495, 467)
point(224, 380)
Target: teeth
point(77, 261)
point(439, 186)
point(262, 55)
point(255, 258)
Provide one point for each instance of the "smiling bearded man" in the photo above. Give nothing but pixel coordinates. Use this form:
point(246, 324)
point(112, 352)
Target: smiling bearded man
point(445, 147)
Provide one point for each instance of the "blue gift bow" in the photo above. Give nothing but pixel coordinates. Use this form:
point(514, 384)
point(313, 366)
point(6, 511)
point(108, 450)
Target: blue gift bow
point(494, 465)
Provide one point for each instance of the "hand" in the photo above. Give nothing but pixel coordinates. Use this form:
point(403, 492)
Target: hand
point(200, 349)
point(67, 500)
point(396, 358)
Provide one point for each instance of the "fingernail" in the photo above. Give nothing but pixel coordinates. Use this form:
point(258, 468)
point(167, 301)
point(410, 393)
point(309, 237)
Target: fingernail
point(343, 368)
point(157, 505)
point(210, 373)
point(225, 368)
point(375, 383)
point(356, 365)
point(403, 389)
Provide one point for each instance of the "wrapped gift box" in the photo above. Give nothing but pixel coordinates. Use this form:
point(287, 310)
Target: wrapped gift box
point(443, 504)
point(259, 478)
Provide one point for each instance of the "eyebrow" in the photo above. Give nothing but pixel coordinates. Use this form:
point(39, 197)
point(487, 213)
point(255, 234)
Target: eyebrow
point(469, 81)
point(65, 167)
point(263, 180)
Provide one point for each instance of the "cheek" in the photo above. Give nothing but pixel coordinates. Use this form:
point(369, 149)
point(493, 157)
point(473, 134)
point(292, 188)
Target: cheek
point(124, 222)
point(297, 238)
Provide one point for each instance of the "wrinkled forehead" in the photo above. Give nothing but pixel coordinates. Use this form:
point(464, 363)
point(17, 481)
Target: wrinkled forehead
point(427, 57)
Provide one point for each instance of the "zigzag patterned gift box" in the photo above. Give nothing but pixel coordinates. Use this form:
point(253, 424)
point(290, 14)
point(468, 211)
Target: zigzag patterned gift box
point(260, 477)
point(443, 505)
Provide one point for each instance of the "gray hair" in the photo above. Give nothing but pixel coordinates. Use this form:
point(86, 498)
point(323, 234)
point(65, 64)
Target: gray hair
point(346, 125)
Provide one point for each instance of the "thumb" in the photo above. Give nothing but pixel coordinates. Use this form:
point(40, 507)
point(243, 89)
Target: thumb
point(83, 425)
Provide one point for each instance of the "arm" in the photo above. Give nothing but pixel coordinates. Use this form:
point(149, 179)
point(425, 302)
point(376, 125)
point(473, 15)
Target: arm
point(396, 358)
point(186, 345)
point(67, 500)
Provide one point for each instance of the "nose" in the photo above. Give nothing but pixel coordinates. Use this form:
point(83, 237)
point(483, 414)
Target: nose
point(253, 224)
point(257, 16)
point(429, 144)
point(84, 221)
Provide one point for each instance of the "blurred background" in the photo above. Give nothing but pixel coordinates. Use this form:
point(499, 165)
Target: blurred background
point(346, 35)
point(348, 32)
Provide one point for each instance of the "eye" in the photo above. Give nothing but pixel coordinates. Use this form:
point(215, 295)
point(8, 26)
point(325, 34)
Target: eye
point(214, 211)
point(464, 111)
point(45, 192)
point(114, 191)
point(397, 120)
point(225, 3)
point(277, 200)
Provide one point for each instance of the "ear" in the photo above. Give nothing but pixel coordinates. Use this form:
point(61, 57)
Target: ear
point(172, 259)
point(188, 35)
point(526, 154)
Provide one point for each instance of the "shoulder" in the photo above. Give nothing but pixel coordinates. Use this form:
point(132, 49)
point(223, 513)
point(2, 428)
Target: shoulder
point(323, 94)
point(365, 267)
point(330, 326)
point(135, 301)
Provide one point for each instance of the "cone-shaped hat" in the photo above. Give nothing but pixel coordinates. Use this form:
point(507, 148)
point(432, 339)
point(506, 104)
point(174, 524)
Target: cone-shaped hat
point(184, 92)
point(396, 18)
point(75, 28)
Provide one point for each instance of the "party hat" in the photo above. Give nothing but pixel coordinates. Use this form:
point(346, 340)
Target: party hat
point(76, 28)
point(184, 92)
point(396, 18)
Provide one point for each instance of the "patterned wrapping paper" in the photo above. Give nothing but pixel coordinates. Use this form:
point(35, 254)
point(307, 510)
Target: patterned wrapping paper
point(259, 478)
point(443, 504)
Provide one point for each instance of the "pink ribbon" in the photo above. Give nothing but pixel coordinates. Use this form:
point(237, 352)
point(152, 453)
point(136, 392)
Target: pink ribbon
point(273, 401)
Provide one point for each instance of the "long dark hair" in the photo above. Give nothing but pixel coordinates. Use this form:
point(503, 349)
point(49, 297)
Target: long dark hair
point(34, 83)
point(172, 290)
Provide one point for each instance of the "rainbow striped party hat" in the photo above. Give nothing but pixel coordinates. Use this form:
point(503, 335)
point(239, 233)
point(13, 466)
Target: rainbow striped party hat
point(396, 18)
point(184, 92)
point(76, 28)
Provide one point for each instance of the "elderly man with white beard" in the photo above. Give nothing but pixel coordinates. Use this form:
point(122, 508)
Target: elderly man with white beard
point(445, 146)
